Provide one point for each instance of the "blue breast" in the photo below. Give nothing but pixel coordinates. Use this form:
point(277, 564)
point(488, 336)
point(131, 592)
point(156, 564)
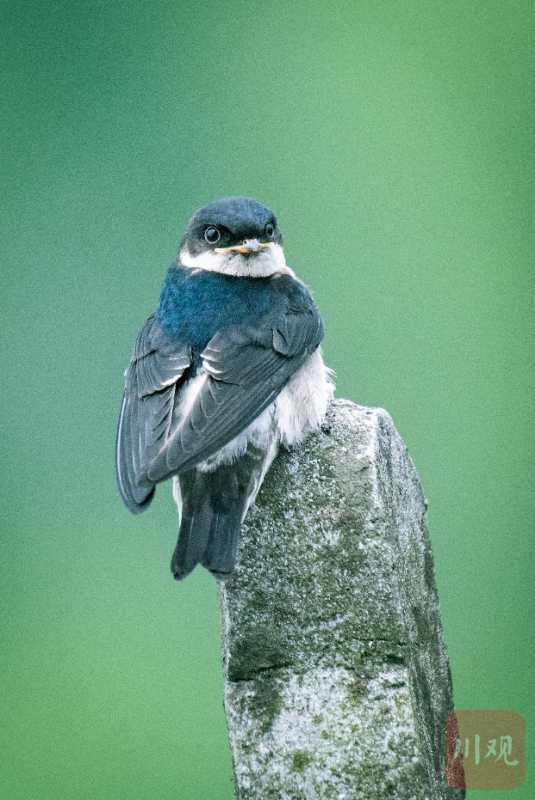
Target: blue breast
point(194, 306)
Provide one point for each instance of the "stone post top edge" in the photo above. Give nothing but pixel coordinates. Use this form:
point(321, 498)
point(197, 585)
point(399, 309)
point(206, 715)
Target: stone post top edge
point(375, 415)
point(375, 411)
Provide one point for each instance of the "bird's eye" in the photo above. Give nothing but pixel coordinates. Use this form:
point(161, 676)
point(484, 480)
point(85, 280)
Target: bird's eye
point(270, 230)
point(212, 235)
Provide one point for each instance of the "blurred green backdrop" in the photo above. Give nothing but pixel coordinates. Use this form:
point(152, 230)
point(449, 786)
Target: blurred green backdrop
point(395, 140)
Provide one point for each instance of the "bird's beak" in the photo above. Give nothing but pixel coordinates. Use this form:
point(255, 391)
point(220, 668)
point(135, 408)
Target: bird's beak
point(249, 246)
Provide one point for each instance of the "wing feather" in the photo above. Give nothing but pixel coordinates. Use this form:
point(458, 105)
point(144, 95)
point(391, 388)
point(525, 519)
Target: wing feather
point(245, 370)
point(149, 399)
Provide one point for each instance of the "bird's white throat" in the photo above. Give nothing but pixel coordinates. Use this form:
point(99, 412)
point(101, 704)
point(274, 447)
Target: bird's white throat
point(257, 265)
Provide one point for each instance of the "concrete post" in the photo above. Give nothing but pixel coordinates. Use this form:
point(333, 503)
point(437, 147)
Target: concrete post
point(337, 682)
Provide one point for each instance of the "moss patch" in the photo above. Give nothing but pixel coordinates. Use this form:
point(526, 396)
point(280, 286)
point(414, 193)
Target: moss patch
point(266, 704)
point(300, 760)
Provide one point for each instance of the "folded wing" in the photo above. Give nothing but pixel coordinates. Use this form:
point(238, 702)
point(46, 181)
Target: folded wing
point(245, 368)
point(149, 403)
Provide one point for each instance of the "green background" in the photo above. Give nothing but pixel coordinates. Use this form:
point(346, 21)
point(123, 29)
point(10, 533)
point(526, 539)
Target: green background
point(395, 140)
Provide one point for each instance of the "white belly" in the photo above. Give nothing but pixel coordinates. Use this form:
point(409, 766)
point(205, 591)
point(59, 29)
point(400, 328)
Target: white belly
point(302, 404)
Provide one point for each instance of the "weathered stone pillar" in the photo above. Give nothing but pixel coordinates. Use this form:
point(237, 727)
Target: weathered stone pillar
point(337, 682)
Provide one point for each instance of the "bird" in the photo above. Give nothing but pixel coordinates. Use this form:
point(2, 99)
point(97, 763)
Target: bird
point(224, 373)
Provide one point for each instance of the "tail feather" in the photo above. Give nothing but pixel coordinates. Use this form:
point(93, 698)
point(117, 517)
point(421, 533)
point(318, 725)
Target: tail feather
point(221, 550)
point(195, 523)
point(213, 507)
point(191, 545)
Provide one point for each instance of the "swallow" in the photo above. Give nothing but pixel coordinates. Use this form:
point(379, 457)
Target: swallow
point(226, 371)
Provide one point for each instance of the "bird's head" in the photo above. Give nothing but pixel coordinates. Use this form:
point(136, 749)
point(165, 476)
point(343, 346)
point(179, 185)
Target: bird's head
point(234, 236)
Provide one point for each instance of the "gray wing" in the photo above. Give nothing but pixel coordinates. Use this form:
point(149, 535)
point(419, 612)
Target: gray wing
point(245, 369)
point(149, 401)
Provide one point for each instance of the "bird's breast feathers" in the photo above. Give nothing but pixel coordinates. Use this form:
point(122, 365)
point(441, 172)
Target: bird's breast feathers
point(196, 304)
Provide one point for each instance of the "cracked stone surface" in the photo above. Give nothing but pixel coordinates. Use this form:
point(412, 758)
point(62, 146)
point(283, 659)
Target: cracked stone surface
point(337, 682)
